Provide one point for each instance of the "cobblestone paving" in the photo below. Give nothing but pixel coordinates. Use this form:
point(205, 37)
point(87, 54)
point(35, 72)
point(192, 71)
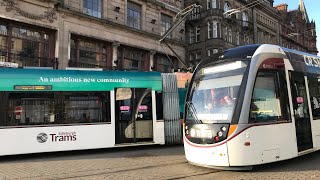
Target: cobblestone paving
point(124, 165)
point(158, 162)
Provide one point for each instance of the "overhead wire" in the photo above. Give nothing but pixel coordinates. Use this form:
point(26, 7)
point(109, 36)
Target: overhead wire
point(245, 7)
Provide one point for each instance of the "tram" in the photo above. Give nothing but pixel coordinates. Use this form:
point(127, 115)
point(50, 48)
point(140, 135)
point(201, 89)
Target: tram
point(60, 110)
point(252, 105)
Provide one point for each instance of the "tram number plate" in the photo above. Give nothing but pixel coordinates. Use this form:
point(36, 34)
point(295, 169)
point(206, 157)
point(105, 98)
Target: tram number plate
point(207, 134)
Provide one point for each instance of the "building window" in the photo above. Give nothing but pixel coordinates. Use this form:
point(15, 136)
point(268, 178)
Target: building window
point(213, 29)
point(27, 46)
point(198, 56)
point(88, 53)
point(209, 30)
point(163, 64)
point(134, 15)
point(212, 51)
point(197, 33)
point(226, 33)
point(246, 39)
point(166, 22)
point(191, 35)
point(211, 4)
point(191, 57)
point(226, 8)
point(195, 14)
point(244, 19)
point(132, 59)
point(92, 8)
point(230, 35)
point(237, 39)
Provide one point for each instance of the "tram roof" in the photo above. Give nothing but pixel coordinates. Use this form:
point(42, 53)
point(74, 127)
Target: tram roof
point(76, 80)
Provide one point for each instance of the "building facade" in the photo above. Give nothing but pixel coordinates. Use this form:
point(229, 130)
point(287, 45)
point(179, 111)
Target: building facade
point(223, 24)
point(106, 34)
point(297, 31)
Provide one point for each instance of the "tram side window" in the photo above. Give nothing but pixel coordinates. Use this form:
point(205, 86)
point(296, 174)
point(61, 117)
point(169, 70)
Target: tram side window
point(314, 88)
point(33, 108)
point(269, 99)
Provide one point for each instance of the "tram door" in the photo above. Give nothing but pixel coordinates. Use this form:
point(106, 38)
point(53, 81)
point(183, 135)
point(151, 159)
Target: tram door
point(133, 115)
point(301, 111)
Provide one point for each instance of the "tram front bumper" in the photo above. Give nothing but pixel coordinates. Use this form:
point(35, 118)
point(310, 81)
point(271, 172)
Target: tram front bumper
point(207, 155)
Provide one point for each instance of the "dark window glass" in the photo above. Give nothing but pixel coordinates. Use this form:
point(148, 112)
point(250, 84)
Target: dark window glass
point(134, 15)
point(54, 108)
point(132, 59)
point(163, 64)
point(159, 105)
point(88, 53)
point(29, 48)
point(26, 46)
point(269, 101)
point(314, 88)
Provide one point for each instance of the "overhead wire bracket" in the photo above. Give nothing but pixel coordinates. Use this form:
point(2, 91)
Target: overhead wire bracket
point(180, 17)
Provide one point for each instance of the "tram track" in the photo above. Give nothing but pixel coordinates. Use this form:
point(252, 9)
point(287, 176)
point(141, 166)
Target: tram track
point(122, 170)
point(146, 172)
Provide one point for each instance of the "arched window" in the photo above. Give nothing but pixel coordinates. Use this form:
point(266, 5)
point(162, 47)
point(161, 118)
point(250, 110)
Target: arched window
point(226, 7)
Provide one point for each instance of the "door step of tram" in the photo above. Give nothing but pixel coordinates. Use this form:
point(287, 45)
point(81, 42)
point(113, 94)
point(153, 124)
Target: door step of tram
point(305, 152)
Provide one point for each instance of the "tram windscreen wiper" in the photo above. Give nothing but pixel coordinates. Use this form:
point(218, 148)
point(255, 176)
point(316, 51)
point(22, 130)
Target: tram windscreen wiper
point(193, 111)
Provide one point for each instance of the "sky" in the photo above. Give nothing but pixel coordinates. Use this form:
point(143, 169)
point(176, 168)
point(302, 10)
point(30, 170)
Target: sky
point(313, 11)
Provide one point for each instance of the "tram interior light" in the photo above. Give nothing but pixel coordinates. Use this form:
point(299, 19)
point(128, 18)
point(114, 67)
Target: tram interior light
point(224, 67)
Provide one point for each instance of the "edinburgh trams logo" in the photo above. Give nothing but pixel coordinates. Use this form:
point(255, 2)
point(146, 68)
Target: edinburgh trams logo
point(57, 137)
point(42, 137)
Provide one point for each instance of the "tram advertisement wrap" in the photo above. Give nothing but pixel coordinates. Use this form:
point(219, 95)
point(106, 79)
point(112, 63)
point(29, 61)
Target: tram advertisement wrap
point(59, 80)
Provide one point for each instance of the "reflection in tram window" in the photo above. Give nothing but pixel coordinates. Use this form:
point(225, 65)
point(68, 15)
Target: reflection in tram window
point(267, 102)
point(57, 108)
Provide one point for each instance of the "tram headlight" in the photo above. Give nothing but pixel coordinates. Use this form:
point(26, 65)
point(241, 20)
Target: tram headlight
point(223, 129)
point(192, 132)
point(220, 133)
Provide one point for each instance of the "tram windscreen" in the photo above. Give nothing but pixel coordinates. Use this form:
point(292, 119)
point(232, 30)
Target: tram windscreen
point(214, 93)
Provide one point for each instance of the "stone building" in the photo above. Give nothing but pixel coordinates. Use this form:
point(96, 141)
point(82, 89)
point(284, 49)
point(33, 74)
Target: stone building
point(107, 34)
point(222, 24)
point(297, 31)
